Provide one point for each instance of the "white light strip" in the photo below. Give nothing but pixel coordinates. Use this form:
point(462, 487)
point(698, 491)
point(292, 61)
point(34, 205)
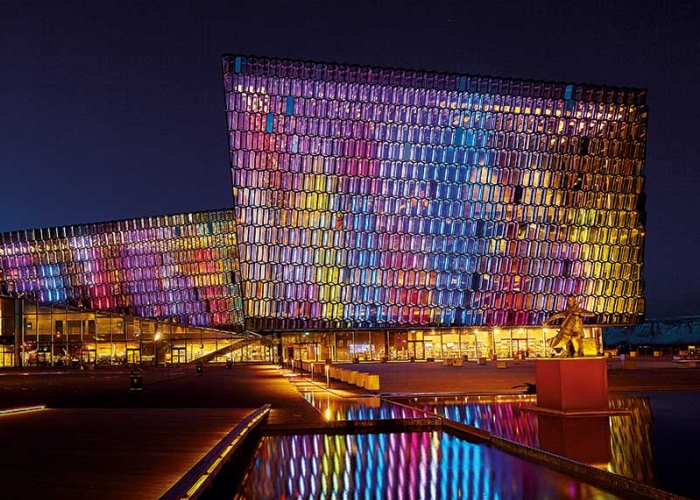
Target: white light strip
point(12, 411)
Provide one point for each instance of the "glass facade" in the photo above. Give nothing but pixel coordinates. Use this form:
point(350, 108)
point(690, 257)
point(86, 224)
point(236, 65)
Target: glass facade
point(34, 334)
point(440, 343)
point(379, 214)
point(383, 198)
point(178, 267)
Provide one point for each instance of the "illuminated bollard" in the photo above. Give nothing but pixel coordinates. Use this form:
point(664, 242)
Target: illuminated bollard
point(199, 368)
point(372, 382)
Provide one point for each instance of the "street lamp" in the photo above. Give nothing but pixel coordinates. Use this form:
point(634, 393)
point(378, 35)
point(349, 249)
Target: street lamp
point(156, 338)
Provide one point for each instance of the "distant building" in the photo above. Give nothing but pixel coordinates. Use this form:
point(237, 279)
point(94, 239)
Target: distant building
point(382, 213)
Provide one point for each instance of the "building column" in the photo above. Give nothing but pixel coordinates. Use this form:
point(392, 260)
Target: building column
point(19, 331)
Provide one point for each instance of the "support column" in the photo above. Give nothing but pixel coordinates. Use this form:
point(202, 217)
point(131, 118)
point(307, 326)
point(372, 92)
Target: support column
point(19, 331)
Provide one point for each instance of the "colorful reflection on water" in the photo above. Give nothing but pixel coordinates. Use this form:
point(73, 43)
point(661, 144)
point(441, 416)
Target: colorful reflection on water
point(620, 443)
point(370, 408)
point(398, 466)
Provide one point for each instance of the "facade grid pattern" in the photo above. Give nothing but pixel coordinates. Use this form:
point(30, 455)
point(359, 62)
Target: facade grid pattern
point(181, 267)
point(370, 197)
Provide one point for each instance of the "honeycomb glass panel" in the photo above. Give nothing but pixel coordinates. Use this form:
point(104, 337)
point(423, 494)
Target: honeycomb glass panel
point(389, 170)
point(182, 268)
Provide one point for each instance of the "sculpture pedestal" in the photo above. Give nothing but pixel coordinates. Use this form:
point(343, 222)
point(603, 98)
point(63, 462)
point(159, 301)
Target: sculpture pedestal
point(583, 439)
point(572, 385)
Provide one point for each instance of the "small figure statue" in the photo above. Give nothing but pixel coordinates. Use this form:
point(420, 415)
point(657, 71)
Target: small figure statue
point(569, 340)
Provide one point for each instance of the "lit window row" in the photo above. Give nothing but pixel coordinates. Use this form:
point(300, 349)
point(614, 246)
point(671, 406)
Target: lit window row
point(418, 124)
point(470, 318)
point(313, 314)
point(313, 266)
point(308, 78)
point(477, 183)
point(145, 228)
point(264, 207)
point(439, 235)
point(508, 166)
point(529, 293)
point(533, 149)
point(410, 216)
point(339, 100)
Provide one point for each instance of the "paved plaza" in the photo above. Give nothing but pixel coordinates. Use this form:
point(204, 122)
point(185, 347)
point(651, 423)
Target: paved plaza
point(98, 436)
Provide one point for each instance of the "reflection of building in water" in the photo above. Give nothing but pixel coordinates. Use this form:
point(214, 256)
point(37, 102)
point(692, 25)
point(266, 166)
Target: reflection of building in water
point(630, 434)
point(408, 465)
point(583, 439)
point(500, 415)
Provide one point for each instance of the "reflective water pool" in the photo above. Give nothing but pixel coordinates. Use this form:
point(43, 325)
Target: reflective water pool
point(655, 442)
point(619, 444)
point(400, 466)
point(368, 408)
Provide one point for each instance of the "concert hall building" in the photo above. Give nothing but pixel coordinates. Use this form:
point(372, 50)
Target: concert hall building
point(377, 214)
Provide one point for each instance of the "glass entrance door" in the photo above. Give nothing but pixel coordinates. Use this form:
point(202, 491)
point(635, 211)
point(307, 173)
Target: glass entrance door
point(416, 349)
point(520, 349)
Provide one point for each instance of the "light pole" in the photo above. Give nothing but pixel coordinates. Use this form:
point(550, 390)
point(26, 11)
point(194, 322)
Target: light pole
point(156, 338)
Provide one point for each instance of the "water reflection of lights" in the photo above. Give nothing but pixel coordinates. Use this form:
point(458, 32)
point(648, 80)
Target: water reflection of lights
point(398, 466)
point(629, 454)
point(334, 408)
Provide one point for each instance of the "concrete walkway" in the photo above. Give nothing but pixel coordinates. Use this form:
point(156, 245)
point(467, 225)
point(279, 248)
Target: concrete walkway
point(650, 374)
point(100, 439)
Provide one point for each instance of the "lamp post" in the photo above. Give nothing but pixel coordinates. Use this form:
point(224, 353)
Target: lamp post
point(156, 338)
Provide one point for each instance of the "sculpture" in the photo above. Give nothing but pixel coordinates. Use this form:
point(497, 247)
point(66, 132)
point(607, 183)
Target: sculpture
point(569, 340)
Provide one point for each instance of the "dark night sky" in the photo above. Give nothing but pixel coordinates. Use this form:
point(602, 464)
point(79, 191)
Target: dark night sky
point(112, 110)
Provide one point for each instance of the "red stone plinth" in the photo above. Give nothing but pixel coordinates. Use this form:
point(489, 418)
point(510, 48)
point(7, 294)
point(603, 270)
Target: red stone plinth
point(572, 384)
point(583, 439)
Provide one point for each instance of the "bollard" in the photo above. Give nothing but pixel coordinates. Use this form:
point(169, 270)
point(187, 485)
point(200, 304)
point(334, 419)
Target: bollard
point(229, 364)
point(136, 380)
point(372, 382)
point(198, 368)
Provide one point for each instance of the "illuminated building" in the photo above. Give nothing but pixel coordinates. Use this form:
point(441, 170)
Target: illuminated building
point(376, 197)
point(137, 274)
point(397, 213)
point(371, 198)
